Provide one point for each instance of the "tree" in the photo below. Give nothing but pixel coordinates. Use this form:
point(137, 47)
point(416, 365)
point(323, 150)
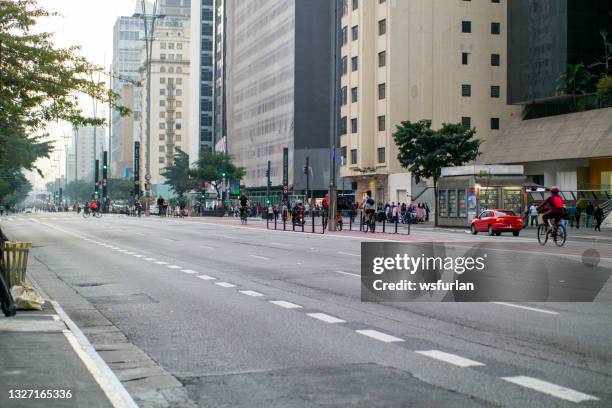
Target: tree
point(120, 189)
point(177, 175)
point(38, 85)
point(424, 151)
point(576, 80)
point(604, 89)
point(213, 167)
point(78, 190)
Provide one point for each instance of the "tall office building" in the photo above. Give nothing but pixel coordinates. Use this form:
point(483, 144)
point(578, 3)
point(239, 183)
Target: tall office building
point(219, 99)
point(181, 8)
point(278, 81)
point(202, 33)
point(81, 152)
point(560, 139)
point(170, 96)
point(410, 60)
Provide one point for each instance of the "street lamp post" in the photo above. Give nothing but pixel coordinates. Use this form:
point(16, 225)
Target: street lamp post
point(149, 38)
point(333, 190)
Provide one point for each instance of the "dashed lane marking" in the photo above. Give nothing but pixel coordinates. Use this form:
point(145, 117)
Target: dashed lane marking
point(260, 257)
point(150, 259)
point(550, 389)
point(285, 304)
point(225, 284)
point(325, 317)
point(375, 334)
point(348, 253)
point(206, 277)
point(450, 358)
point(161, 263)
point(174, 267)
point(251, 293)
point(348, 273)
point(206, 247)
point(189, 271)
point(533, 309)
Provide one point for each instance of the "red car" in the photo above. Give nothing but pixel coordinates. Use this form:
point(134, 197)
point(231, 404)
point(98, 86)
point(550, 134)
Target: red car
point(497, 221)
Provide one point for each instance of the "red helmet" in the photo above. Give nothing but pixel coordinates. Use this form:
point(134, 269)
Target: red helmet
point(554, 189)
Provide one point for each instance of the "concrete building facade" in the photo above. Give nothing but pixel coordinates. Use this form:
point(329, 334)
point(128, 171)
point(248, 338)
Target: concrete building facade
point(411, 60)
point(278, 82)
point(81, 152)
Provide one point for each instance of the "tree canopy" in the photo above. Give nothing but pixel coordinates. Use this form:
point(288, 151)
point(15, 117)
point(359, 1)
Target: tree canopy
point(177, 175)
point(213, 167)
point(39, 84)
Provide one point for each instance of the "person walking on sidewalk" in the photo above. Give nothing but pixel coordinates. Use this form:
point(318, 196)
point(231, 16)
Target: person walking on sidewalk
point(599, 217)
point(590, 212)
point(578, 214)
point(571, 213)
point(533, 212)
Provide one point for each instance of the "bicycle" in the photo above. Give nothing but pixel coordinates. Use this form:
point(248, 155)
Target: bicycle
point(86, 212)
point(556, 231)
point(369, 223)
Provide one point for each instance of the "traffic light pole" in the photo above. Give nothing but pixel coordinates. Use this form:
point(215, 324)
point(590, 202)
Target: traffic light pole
point(268, 185)
point(105, 182)
point(97, 179)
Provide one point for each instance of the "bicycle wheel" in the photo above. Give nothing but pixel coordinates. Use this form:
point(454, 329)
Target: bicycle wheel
point(85, 214)
point(372, 225)
point(98, 214)
point(561, 236)
point(542, 235)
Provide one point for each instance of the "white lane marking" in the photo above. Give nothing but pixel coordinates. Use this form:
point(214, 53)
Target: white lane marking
point(375, 334)
point(206, 247)
point(206, 277)
point(450, 358)
point(286, 305)
point(225, 284)
point(122, 250)
point(104, 376)
point(348, 273)
point(189, 271)
point(260, 257)
point(550, 389)
point(325, 317)
point(533, 309)
point(141, 234)
point(150, 259)
point(250, 293)
point(348, 253)
point(174, 267)
point(161, 263)
point(280, 244)
point(138, 256)
point(130, 253)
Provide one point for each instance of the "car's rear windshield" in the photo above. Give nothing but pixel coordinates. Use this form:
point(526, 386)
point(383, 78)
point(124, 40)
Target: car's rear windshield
point(505, 212)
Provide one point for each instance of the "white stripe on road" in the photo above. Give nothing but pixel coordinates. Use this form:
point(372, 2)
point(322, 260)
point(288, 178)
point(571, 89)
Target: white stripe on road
point(533, 309)
point(375, 334)
point(189, 271)
point(174, 267)
point(250, 293)
point(225, 284)
point(141, 234)
point(260, 257)
point(130, 253)
point(286, 305)
point(280, 244)
point(325, 317)
point(550, 389)
point(206, 247)
point(150, 259)
point(348, 253)
point(206, 277)
point(348, 273)
point(138, 256)
point(161, 263)
point(450, 358)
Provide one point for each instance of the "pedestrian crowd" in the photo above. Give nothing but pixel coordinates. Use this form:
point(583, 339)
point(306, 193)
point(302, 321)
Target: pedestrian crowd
point(575, 216)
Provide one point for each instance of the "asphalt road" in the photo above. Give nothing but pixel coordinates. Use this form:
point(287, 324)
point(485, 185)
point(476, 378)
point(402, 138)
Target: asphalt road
point(245, 317)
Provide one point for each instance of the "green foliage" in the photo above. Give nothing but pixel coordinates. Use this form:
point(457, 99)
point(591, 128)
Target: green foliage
point(177, 175)
point(211, 167)
point(79, 190)
point(604, 89)
point(424, 151)
point(577, 80)
point(120, 189)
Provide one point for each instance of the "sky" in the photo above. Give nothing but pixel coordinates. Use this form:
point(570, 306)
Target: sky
point(88, 24)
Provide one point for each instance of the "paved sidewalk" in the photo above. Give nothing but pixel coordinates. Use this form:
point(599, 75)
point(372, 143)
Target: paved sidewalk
point(37, 356)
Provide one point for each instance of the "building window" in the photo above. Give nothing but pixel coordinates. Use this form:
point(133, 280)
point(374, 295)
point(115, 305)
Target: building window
point(494, 1)
point(344, 95)
point(495, 28)
point(343, 125)
point(382, 58)
point(355, 33)
point(494, 91)
point(354, 95)
point(381, 155)
point(466, 26)
point(381, 123)
point(343, 156)
point(465, 58)
point(179, 115)
point(343, 65)
point(353, 156)
point(162, 80)
point(162, 160)
point(162, 103)
point(162, 56)
point(355, 4)
point(354, 64)
point(162, 45)
point(162, 114)
point(354, 125)
point(162, 91)
point(344, 35)
point(178, 126)
point(162, 125)
point(466, 90)
point(466, 121)
point(179, 81)
point(162, 137)
point(179, 46)
point(495, 60)
point(344, 7)
point(179, 70)
point(382, 27)
point(162, 149)
point(179, 92)
point(382, 91)
point(162, 69)
point(179, 104)
point(495, 123)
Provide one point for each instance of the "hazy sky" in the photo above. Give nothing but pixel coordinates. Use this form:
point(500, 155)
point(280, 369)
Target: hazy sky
point(88, 24)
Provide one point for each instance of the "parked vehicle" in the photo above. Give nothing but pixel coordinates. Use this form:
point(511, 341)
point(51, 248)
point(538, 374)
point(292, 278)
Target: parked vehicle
point(494, 222)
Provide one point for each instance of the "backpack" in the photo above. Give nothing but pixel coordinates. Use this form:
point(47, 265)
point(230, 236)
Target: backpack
point(370, 201)
point(558, 202)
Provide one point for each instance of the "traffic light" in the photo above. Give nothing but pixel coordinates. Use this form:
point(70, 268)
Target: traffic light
point(223, 174)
